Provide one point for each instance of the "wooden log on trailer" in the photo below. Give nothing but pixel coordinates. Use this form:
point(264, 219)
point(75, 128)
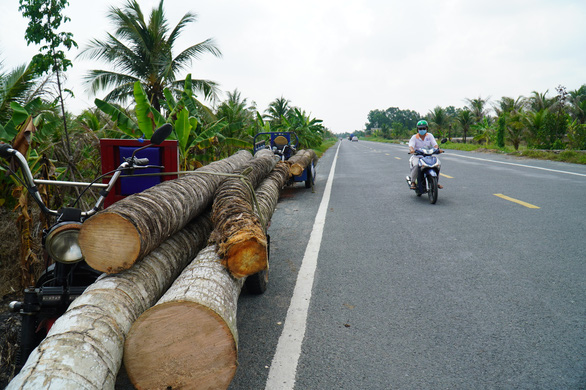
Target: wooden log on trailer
point(83, 349)
point(189, 339)
point(300, 160)
point(119, 236)
point(238, 233)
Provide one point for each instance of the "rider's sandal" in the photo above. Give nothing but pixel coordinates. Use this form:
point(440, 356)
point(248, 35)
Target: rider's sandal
point(413, 186)
point(440, 186)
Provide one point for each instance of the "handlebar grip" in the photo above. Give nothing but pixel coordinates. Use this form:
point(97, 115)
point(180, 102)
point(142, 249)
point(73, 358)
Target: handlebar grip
point(4, 150)
point(141, 161)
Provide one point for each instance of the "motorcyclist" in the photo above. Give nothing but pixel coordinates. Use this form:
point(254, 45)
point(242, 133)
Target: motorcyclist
point(421, 140)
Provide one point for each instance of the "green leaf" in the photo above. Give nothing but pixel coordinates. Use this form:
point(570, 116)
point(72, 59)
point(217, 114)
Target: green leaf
point(182, 129)
point(124, 123)
point(142, 110)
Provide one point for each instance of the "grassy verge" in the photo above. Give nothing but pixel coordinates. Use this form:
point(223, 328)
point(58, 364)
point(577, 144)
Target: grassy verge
point(569, 156)
point(325, 145)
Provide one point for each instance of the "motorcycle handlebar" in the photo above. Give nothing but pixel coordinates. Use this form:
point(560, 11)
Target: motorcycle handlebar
point(5, 150)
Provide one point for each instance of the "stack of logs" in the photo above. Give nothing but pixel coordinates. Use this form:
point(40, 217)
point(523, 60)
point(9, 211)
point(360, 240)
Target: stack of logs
point(164, 305)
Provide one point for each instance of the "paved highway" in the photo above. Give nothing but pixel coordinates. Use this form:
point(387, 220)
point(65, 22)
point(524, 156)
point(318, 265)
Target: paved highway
point(484, 290)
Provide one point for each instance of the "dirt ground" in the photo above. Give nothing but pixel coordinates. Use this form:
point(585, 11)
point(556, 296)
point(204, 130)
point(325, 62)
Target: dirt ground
point(9, 291)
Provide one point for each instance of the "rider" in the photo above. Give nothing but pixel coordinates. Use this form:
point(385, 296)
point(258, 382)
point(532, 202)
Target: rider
point(421, 140)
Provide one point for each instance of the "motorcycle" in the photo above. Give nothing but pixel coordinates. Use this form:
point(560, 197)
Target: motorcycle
point(429, 167)
point(67, 275)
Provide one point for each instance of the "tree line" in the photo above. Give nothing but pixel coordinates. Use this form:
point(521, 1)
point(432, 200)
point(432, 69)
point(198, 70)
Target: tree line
point(140, 91)
point(538, 121)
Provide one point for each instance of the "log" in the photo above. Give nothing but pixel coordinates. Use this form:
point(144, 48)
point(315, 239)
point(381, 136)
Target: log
point(189, 339)
point(300, 160)
point(119, 236)
point(238, 233)
point(83, 349)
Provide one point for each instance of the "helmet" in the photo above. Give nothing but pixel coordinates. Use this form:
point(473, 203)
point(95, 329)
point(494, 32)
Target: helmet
point(422, 124)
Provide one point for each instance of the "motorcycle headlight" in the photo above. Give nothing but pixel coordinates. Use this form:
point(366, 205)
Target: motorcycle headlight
point(62, 242)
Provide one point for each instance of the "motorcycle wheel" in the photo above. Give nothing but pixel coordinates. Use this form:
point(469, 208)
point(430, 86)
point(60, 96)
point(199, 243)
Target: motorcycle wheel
point(432, 189)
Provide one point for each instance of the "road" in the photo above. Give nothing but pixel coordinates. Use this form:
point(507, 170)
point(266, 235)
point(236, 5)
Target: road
point(484, 290)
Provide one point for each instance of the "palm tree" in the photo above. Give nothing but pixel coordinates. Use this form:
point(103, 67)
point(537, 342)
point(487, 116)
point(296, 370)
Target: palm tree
point(18, 86)
point(278, 109)
point(539, 101)
point(440, 118)
point(508, 105)
point(578, 104)
point(466, 121)
point(142, 51)
point(477, 107)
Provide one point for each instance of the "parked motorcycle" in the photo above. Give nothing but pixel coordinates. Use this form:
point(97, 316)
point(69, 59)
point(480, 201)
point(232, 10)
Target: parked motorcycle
point(429, 165)
point(67, 275)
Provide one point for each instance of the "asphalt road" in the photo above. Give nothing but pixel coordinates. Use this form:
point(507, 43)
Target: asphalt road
point(475, 292)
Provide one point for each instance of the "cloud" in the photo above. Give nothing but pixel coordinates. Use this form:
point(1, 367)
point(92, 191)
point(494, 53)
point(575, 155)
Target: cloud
point(341, 59)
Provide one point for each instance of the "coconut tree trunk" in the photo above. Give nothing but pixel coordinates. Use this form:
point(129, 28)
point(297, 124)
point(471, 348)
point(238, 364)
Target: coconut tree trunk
point(238, 232)
point(300, 160)
point(189, 339)
point(117, 237)
point(83, 349)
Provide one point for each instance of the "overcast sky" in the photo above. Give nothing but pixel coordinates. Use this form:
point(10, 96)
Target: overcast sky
point(339, 59)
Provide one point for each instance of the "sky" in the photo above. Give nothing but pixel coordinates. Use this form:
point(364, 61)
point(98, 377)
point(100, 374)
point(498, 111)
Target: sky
point(340, 59)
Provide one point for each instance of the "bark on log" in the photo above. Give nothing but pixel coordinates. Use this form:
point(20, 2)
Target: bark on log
point(300, 160)
point(84, 348)
point(189, 339)
point(238, 232)
point(117, 237)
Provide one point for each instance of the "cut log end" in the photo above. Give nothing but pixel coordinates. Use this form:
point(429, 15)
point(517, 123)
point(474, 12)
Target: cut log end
point(246, 257)
point(118, 245)
point(180, 345)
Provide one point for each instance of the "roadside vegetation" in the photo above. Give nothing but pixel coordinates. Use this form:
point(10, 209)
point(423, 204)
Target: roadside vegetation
point(537, 126)
point(144, 83)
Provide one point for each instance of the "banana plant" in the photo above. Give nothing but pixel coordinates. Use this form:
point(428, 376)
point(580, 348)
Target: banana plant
point(147, 118)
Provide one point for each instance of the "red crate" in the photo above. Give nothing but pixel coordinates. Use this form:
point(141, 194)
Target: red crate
point(113, 152)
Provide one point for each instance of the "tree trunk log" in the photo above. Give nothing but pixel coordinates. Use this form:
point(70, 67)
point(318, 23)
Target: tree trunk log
point(117, 237)
point(84, 348)
point(300, 160)
point(238, 233)
point(189, 339)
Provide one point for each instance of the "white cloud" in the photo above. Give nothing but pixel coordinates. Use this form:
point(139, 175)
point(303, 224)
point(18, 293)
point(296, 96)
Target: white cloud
point(341, 59)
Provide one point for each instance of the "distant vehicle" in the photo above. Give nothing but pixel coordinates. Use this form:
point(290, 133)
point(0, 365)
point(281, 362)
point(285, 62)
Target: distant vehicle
point(355, 139)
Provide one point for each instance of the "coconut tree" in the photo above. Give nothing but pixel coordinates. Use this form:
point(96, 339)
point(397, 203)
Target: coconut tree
point(478, 108)
point(440, 118)
point(465, 119)
point(577, 100)
point(539, 101)
point(143, 50)
point(277, 110)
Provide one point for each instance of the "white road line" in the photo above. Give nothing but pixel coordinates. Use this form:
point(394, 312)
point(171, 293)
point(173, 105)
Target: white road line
point(519, 165)
point(284, 364)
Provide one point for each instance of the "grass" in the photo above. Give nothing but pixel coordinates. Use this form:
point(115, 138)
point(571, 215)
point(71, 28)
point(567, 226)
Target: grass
point(325, 145)
point(569, 156)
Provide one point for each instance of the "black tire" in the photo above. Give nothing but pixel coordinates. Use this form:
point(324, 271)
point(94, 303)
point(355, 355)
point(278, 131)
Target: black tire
point(432, 189)
point(310, 174)
point(258, 283)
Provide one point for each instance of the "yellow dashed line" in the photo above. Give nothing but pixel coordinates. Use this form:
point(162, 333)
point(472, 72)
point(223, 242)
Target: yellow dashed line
point(398, 158)
point(529, 205)
point(444, 175)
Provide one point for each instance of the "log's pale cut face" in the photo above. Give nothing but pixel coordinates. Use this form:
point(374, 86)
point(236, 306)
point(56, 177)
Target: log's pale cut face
point(109, 242)
point(182, 345)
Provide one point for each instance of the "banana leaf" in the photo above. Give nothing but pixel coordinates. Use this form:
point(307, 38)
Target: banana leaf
point(124, 123)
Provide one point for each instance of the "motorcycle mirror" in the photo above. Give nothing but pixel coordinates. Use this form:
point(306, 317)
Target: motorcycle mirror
point(444, 140)
point(161, 134)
